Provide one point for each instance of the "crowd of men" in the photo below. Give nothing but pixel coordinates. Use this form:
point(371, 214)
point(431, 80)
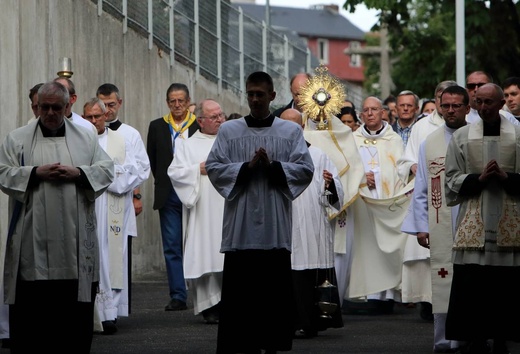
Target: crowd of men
point(382, 207)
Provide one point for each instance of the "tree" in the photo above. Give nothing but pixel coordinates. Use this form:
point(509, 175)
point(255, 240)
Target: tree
point(422, 37)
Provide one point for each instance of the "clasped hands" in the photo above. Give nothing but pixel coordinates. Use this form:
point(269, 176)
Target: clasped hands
point(57, 172)
point(260, 159)
point(491, 170)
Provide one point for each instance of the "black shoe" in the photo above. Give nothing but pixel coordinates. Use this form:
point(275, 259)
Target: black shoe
point(500, 347)
point(211, 318)
point(175, 305)
point(109, 327)
point(211, 315)
point(6, 343)
point(426, 311)
point(476, 347)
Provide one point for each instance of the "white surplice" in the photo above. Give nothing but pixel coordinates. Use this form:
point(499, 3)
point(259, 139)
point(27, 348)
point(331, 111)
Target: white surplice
point(112, 301)
point(202, 212)
point(312, 230)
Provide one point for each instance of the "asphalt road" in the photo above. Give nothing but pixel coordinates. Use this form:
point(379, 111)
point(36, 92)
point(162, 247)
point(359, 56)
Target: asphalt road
point(150, 329)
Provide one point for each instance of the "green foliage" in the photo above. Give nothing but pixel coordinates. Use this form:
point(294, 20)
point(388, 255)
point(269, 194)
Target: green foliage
point(422, 37)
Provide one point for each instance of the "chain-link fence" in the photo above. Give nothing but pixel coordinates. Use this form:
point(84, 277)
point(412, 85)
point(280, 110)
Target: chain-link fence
point(214, 38)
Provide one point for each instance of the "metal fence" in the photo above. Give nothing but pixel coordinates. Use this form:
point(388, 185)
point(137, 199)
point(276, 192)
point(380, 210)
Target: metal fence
point(214, 38)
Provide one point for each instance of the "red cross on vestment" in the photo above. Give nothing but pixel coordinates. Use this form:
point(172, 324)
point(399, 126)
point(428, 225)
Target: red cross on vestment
point(443, 272)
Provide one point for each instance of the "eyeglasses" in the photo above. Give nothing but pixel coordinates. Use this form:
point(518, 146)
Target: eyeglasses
point(472, 86)
point(55, 107)
point(455, 106)
point(94, 116)
point(216, 116)
point(179, 101)
point(373, 109)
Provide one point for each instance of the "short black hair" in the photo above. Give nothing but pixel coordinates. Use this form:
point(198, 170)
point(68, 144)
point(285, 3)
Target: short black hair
point(261, 77)
point(107, 89)
point(511, 81)
point(348, 110)
point(34, 90)
point(457, 90)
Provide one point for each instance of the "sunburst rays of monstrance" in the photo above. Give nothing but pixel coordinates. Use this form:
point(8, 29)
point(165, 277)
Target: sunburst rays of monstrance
point(321, 96)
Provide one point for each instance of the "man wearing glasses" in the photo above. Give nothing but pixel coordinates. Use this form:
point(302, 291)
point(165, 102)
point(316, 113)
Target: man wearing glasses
point(72, 116)
point(52, 171)
point(163, 135)
point(203, 209)
point(379, 147)
point(115, 225)
point(475, 80)
point(430, 221)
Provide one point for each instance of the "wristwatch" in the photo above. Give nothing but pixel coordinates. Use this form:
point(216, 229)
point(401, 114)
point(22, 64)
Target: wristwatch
point(138, 196)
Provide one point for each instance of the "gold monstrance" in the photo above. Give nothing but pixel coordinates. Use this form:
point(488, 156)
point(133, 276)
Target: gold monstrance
point(321, 96)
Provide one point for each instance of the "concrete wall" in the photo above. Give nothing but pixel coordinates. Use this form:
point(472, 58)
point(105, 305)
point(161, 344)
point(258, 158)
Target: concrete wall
point(34, 34)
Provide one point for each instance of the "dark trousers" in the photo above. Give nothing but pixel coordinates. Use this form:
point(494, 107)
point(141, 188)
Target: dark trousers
point(257, 306)
point(48, 316)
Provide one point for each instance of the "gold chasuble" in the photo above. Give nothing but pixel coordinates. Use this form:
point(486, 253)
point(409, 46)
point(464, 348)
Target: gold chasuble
point(116, 212)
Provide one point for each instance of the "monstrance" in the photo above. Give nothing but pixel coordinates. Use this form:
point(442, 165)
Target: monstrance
point(321, 96)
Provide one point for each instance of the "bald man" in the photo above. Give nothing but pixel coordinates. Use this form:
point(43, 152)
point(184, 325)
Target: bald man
point(312, 257)
point(297, 82)
point(293, 115)
point(483, 176)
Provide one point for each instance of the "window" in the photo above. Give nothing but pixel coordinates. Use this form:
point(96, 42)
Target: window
point(355, 59)
point(323, 51)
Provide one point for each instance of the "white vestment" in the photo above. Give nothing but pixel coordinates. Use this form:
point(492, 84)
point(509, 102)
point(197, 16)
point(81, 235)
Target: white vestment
point(429, 212)
point(133, 136)
point(312, 230)
point(420, 131)
point(379, 242)
point(76, 256)
point(429, 169)
point(202, 213)
point(82, 122)
point(112, 297)
point(337, 141)
point(416, 285)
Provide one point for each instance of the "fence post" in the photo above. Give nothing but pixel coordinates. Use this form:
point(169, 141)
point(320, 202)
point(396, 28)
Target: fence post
point(264, 45)
point(197, 38)
point(309, 69)
point(172, 34)
point(125, 16)
point(150, 24)
point(286, 55)
point(241, 55)
point(219, 47)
